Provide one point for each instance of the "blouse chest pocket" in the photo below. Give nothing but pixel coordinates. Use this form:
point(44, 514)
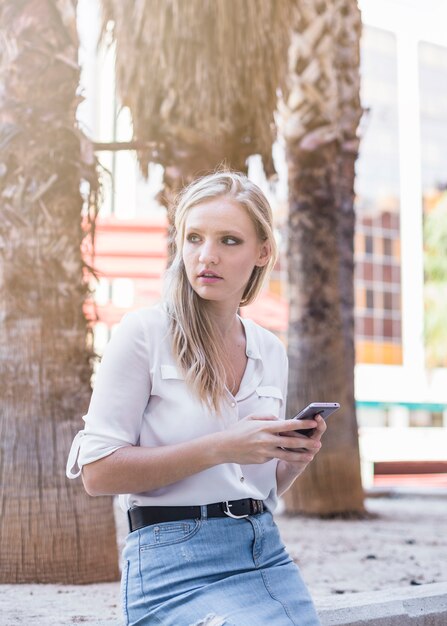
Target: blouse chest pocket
point(166, 376)
point(270, 400)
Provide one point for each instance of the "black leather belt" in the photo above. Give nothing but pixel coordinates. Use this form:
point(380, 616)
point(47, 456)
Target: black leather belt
point(141, 516)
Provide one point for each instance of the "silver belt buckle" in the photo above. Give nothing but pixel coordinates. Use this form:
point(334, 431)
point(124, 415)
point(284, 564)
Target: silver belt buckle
point(230, 514)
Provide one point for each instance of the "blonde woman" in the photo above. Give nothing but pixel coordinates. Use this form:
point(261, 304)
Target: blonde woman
point(187, 424)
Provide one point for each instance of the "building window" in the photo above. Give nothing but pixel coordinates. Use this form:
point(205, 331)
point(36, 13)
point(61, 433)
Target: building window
point(387, 328)
point(101, 335)
point(387, 273)
point(420, 418)
point(387, 301)
point(437, 419)
point(387, 247)
point(368, 271)
point(369, 327)
point(103, 292)
point(377, 262)
point(123, 292)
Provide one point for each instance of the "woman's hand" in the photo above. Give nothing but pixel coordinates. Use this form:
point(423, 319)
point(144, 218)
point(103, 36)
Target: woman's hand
point(290, 468)
point(260, 439)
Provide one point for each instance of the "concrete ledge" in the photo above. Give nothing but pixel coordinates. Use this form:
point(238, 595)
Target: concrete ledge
point(98, 605)
point(425, 605)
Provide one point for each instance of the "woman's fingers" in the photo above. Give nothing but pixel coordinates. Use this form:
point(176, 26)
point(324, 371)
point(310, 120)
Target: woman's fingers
point(299, 442)
point(304, 457)
point(320, 429)
point(286, 426)
point(289, 438)
point(298, 448)
point(260, 438)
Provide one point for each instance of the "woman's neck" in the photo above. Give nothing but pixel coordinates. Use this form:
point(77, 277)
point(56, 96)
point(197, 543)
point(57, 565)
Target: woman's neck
point(226, 320)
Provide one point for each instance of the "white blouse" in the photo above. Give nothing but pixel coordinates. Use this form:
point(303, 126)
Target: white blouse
point(140, 398)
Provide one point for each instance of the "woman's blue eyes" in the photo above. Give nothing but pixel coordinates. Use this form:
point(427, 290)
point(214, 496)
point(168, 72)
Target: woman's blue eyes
point(229, 241)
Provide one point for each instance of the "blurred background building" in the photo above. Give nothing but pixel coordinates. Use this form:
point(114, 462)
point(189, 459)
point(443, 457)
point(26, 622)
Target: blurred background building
point(401, 177)
point(401, 174)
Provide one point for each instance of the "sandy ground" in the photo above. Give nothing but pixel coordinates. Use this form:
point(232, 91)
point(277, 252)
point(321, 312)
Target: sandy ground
point(404, 544)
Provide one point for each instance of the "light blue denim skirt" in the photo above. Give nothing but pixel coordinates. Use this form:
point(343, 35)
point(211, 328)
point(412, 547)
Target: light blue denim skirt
point(213, 572)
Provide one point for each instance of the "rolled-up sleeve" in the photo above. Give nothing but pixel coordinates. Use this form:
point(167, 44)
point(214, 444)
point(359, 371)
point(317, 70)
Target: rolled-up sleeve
point(120, 395)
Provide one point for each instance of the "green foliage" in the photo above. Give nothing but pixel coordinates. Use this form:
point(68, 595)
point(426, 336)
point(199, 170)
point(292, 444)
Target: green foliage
point(435, 265)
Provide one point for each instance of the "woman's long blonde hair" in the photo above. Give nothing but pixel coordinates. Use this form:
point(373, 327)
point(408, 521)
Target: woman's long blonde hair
point(197, 343)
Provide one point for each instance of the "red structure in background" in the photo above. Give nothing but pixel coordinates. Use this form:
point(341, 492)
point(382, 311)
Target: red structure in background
point(410, 474)
point(137, 250)
point(132, 249)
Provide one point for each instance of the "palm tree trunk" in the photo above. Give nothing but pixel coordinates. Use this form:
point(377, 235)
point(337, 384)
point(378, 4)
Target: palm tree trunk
point(321, 119)
point(321, 331)
point(50, 530)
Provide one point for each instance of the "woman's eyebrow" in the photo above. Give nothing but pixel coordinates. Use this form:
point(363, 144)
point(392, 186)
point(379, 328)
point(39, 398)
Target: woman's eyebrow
point(235, 233)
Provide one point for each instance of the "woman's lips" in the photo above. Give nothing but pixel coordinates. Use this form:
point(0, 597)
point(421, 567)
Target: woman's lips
point(209, 278)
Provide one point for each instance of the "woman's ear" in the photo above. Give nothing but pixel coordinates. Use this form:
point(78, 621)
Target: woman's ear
point(265, 252)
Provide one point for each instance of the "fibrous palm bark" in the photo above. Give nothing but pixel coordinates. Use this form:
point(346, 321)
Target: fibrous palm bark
point(50, 531)
point(201, 78)
point(319, 123)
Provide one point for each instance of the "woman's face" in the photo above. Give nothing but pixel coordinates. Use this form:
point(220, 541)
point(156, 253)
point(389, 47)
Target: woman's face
point(220, 250)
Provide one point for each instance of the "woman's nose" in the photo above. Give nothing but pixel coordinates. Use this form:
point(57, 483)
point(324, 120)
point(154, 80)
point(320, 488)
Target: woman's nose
point(208, 253)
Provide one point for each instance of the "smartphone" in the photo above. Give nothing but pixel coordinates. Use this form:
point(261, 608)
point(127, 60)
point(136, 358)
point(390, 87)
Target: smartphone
point(312, 409)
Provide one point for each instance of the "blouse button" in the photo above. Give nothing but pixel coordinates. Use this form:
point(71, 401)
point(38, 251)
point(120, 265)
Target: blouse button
point(233, 404)
point(242, 479)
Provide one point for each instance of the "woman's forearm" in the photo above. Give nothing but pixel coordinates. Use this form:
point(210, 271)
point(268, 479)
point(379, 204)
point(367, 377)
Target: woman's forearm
point(286, 476)
point(135, 469)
